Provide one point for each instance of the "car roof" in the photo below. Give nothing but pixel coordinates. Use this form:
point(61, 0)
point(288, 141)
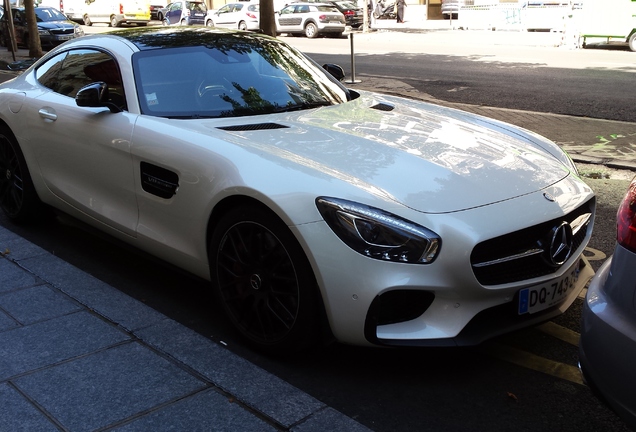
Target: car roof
point(157, 37)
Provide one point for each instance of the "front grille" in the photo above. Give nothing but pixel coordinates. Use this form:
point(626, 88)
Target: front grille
point(62, 31)
point(524, 254)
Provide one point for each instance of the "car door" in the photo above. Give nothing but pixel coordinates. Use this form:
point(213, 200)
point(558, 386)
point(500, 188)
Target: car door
point(226, 16)
point(173, 15)
point(290, 18)
point(84, 153)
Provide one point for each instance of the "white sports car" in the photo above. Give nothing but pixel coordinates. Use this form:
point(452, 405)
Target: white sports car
point(309, 206)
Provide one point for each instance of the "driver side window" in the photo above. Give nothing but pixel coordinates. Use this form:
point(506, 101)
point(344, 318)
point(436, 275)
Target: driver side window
point(68, 72)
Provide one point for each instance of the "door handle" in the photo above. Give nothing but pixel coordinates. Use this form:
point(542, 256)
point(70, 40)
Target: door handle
point(47, 115)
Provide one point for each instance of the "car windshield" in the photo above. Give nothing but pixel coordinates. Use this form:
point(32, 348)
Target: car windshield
point(234, 76)
point(48, 14)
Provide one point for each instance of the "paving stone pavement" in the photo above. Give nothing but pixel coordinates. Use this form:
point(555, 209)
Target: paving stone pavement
point(77, 354)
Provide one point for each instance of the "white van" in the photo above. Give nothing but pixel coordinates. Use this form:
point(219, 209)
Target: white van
point(117, 12)
point(612, 20)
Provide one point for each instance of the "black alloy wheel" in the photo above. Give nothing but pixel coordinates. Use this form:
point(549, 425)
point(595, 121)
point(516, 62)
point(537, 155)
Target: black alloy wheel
point(18, 198)
point(264, 281)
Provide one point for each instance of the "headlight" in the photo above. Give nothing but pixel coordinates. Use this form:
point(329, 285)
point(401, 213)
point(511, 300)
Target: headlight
point(79, 31)
point(378, 234)
point(43, 32)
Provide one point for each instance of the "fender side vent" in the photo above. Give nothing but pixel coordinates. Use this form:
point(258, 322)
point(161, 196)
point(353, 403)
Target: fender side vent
point(383, 107)
point(158, 181)
point(253, 127)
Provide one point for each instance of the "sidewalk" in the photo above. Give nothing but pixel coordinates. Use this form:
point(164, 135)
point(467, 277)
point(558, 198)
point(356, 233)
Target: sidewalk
point(77, 354)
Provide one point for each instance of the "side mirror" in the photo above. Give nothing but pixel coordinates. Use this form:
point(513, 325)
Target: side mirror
point(95, 95)
point(335, 70)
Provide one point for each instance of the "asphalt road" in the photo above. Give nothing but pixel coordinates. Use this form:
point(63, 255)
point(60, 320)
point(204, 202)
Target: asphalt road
point(497, 69)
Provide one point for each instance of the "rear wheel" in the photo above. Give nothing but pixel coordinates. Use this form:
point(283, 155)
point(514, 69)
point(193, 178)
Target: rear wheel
point(311, 31)
point(264, 280)
point(87, 21)
point(632, 42)
point(18, 198)
point(113, 22)
point(242, 26)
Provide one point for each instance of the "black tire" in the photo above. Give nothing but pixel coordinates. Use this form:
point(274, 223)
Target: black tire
point(242, 26)
point(18, 198)
point(264, 281)
point(159, 16)
point(87, 21)
point(114, 22)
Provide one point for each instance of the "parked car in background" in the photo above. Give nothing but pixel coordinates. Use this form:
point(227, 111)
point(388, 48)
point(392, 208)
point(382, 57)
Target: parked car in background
point(156, 12)
point(54, 27)
point(450, 8)
point(354, 15)
point(242, 16)
point(310, 19)
point(116, 13)
point(185, 12)
point(608, 330)
point(314, 210)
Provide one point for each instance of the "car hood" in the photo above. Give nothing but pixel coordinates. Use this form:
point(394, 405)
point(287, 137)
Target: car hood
point(52, 25)
point(426, 157)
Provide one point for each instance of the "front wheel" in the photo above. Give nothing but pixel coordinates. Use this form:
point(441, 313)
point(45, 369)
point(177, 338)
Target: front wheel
point(18, 198)
point(264, 280)
point(311, 31)
point(87, 21)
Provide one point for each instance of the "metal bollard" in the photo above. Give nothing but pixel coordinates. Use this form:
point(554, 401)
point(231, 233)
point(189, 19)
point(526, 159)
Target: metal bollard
point(353, 64)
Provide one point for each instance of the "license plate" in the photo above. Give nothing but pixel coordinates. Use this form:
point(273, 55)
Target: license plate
point(64, 37)
point(540, 297)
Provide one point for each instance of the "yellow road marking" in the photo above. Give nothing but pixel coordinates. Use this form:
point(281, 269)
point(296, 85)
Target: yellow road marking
point(560, 332)
point(534, 362)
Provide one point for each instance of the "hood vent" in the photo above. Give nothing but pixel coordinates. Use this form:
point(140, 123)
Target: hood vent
point(383, 107)
point(253, 127)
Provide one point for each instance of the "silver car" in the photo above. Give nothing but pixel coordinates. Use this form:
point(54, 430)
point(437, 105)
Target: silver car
point(608, 330)
point(310, 19)
point(242, 16)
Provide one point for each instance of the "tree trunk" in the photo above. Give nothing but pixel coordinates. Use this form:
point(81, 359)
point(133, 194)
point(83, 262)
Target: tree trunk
point(267, 20)
point(33, 42)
